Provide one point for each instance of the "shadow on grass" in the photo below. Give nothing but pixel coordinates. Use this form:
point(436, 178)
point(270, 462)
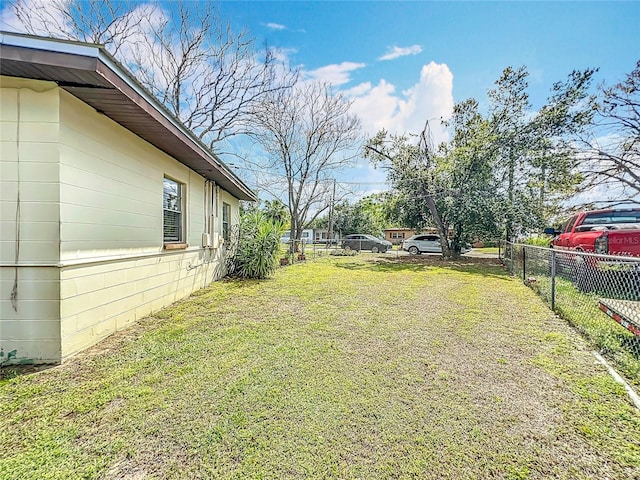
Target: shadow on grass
point(8, 372)
point(476, 266)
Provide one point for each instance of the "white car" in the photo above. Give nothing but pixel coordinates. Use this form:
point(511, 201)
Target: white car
point(425, 243)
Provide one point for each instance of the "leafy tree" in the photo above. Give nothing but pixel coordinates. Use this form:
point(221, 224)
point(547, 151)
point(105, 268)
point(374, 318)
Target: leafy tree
point(452, 189)
point(367, 215)
point(308, 135)
point(555, 177)
point(508, 119)
point(535, 161)
point(611, 150)
point(416, 170)
point(502, 172)
point(276, 211)
point(469, 203)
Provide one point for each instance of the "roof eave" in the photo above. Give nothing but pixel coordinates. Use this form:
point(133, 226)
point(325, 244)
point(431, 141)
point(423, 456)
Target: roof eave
point(150, 121)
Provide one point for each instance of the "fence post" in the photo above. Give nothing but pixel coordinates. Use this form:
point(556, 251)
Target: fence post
point(524, 264)
point(513, 267)
point(553, 279)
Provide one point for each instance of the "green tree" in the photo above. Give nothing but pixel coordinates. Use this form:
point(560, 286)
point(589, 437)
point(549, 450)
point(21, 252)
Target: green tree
point(503, 172)
point(469, 203)
point(535, 160)
point(367, 215)
point(417, 171)
point(276, 211)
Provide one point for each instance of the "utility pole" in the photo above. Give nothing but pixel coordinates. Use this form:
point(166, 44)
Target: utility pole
point(333, 200)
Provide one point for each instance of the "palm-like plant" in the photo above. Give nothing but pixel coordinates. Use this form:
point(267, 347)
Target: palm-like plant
point(258, 245)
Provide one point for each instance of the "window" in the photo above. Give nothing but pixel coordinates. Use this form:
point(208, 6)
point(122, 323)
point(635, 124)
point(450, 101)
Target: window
point(226, 219)
point(172, 205)
point(569, 225)
point(397, 234)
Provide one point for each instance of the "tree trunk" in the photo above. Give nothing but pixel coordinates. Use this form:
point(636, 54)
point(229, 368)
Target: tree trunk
point(433, 209)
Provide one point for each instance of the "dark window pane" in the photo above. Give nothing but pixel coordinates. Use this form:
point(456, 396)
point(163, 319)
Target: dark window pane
point(226, 219)
point(172, 214)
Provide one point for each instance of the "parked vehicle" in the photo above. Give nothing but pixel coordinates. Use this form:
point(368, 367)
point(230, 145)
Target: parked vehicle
point(425, 243)
point(365, 242)
point(599, 232)
point(609, 232)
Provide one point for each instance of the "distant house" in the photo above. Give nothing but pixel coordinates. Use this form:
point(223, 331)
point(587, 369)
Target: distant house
point(307, 236)
point(321, 235)
point(311, 235)
point(397, 235)
point(111, 208)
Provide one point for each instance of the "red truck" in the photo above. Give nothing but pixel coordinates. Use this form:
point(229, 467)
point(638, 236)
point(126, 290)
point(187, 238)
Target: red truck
point(609, 232)
point(608, 238)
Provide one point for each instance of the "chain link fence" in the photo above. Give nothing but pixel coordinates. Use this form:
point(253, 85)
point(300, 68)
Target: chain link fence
point(598, 294)
point(293, 251)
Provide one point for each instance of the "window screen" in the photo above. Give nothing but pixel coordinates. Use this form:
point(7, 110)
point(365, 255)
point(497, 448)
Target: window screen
point(226, 219)
point(172, 210)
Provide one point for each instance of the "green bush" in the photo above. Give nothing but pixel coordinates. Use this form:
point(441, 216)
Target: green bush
point(543, 241)
point(258, 245)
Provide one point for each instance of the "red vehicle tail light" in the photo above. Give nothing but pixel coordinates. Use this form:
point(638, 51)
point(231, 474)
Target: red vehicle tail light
point(601, 244)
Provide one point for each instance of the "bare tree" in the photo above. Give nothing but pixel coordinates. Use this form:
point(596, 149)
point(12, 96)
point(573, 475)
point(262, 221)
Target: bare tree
point(611, 155)
point(208, 76)
point(308, 135)
point(106, 22)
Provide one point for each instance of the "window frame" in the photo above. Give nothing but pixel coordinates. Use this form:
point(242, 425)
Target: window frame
point(179, 209)
point(226, 222)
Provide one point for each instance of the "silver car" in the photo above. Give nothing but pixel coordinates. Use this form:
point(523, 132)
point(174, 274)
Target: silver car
point(425, 243)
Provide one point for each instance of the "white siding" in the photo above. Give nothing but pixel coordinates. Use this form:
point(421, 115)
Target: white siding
point(110, 186)
point(98, 299)
point(30, 154)
point(111, 206)
point(29, 126)
point(91, 215)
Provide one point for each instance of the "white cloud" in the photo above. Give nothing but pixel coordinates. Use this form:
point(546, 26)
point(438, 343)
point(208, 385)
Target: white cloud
point(431, 98)
point(51, 20)
point(336, 74)
point(397, 52)
point(275, 26)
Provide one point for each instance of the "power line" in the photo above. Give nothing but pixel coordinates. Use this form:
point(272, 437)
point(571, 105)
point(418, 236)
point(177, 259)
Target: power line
point(284, 177)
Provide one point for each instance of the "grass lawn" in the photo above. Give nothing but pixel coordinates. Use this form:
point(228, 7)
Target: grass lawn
point(345, 367)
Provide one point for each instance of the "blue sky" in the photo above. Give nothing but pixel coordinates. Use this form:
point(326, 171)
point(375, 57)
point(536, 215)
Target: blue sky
point(404, 62)
point(475, 40)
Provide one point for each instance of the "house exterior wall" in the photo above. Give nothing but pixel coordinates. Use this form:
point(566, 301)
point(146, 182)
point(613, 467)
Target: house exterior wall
point(397, 235)
point(29, 169)
point(106, 255)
